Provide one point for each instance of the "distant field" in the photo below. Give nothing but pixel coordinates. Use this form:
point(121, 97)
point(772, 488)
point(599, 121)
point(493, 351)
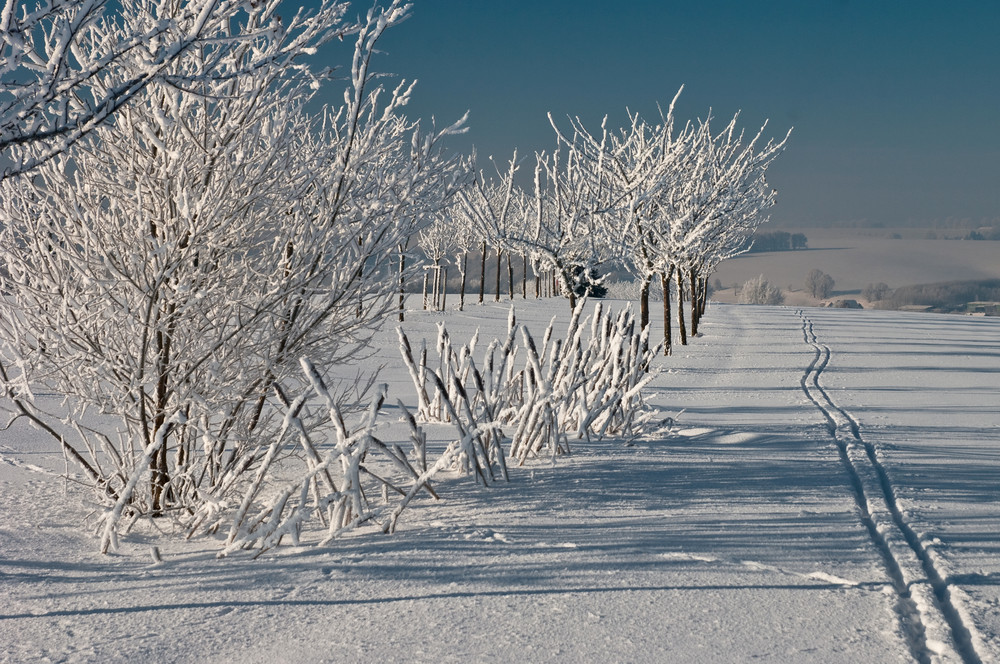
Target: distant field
point(855, 260)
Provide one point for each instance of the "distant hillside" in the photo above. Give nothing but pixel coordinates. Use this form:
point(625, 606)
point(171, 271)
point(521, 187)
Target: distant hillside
point(945, 297)
point(855, 260)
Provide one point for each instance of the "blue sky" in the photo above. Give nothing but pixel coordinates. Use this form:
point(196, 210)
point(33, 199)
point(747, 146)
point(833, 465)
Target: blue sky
point(895, 105)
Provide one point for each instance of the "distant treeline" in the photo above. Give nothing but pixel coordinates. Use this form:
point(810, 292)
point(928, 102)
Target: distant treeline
point(985, 233)
point(778, 241)
point(947, 296)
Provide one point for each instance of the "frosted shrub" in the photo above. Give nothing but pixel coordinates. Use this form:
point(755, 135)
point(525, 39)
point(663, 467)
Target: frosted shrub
point(759, 291)
point(171, 269)
point(359, 480)
point(475, 411)
point(562, 390)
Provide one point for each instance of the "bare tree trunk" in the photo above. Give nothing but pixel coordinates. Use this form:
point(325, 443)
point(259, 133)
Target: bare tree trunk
point(695, 297)
point(361, 308)
point(159, 470)
point(510, 277)
point(402, 292)
point(436, 287)
point(644, 302)
point(444, 289)
point(496, 297)
point(681, 327)
point(665, 283)
point(524, 276)
point(482, 275)
point(702, 294)
point(703, 300)
point(567, 286)
point(425, 289)
point(461, 292)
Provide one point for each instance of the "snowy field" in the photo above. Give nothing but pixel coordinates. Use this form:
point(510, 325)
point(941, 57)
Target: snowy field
point(855, 260)
point(830, 493)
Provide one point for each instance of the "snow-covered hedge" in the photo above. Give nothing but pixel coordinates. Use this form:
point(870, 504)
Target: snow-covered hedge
point(533, 399)
point(571, 388)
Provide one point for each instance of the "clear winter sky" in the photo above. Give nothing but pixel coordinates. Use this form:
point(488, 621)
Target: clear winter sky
point(895, 104)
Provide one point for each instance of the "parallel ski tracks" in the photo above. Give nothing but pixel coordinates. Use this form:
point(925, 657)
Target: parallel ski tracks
point(934, 629)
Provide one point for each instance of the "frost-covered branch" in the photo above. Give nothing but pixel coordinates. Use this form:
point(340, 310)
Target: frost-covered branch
point(68, 65)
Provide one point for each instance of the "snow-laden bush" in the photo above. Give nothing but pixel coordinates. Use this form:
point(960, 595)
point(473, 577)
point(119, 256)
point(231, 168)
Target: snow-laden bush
point(474, 412)
point(541, 396)
point(343, 488)
point(171, 269)
point(759, 291)
point(582, 387)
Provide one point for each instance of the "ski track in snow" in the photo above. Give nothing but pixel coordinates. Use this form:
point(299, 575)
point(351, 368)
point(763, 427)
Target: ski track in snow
point(932, 623)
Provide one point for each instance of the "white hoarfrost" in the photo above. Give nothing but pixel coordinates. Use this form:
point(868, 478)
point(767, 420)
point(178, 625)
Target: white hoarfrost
point(66, 66)
point(169, 271)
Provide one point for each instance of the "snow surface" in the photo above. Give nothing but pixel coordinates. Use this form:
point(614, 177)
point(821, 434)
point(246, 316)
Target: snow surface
point(828, 492)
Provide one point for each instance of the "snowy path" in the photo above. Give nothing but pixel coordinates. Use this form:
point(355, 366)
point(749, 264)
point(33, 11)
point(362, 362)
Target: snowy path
point(933, 626)
point(740, 535)
point(925, 400)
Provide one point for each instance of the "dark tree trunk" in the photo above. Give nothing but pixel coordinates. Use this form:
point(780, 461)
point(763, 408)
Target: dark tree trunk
point(482, 275)
point(425, 290)
point(496, 297)
point(159, 470)
point(681, 326)
point(644, 302)
point(436, 288)
point(524, 276)
point(703, 302)
point(361, 272)
point(461, 292)
point(568, 289)
point(444, 289)
point(510, 277)
point(665, 283)
point(402, 292)
point(702, 296)
point(695, 298)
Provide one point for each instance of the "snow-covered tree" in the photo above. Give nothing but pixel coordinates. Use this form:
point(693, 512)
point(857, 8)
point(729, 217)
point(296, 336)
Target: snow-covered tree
point(67, 65)
point(558, 226)
point(636, 165)
point(465, 239)
point(171, 269)
point(674, 203)
point(437, 241)
point(494, 209)
point(759, 291)
point(717, 202)
point(819, 284)
point(875, 292)
point(567, 230)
